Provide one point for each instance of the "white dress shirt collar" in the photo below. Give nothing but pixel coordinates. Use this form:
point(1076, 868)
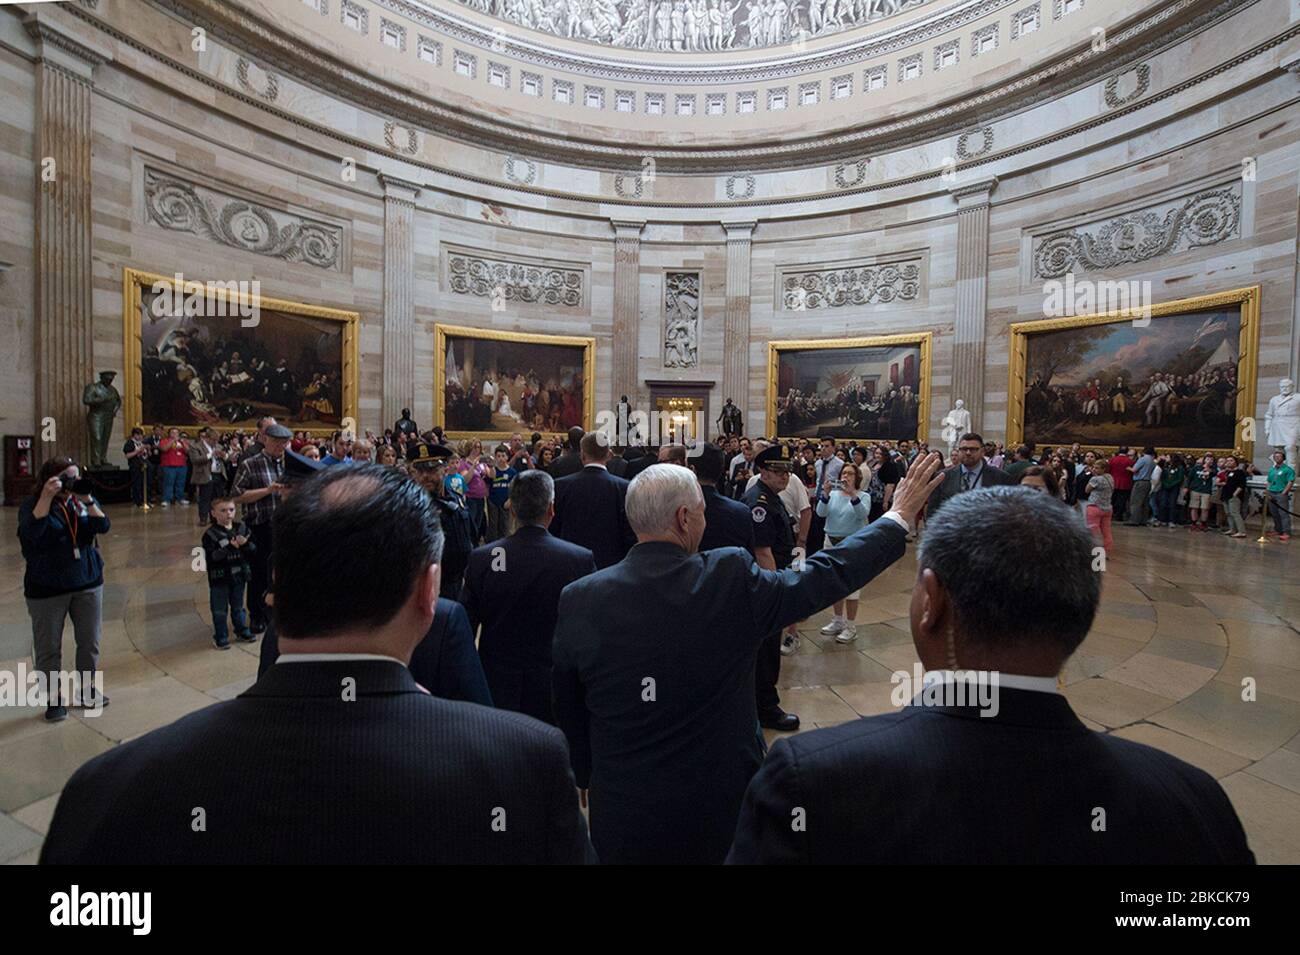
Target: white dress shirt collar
point(334, 657)
point(1012, 681)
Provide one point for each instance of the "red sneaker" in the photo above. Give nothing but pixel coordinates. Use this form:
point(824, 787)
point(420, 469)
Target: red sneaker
point(1284, 537)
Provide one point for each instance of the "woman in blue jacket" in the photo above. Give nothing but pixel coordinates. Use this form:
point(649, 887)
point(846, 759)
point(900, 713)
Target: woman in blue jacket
point(846, 511)
point(64, 577)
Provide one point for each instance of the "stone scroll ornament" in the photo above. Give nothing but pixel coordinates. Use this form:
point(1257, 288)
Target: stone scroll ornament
point(515, 281)
point(1205, 218)
point(864, 285)
point(183, 207)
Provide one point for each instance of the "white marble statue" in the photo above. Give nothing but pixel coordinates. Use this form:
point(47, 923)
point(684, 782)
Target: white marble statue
point(1282, 422)
point(955, 423)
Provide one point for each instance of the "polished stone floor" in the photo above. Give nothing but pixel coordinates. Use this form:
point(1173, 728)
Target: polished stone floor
point(1185, 619)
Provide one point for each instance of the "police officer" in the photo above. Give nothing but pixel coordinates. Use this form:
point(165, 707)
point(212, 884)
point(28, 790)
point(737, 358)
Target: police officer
point(773, 550)
point(428, 463)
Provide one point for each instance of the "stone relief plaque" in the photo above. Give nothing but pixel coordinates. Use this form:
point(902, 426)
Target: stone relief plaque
point(510, 280)
point(1206, 217)
point(181, 206)
point(867, 283)
point(681, 319)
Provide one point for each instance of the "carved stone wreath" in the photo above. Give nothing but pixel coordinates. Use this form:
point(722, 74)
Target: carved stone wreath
point(394, 142)
point(529, 174)
point(514, 281)
point(272, 89)
point(1113, 97)
point(863, 285)
point(749, 182)
point(180, 207)
point(842, 179)
point(621, 187)
point(1206, 218)
point(963, 143)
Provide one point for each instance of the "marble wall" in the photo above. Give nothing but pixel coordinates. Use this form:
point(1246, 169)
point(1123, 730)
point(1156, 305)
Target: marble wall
point(966, 209)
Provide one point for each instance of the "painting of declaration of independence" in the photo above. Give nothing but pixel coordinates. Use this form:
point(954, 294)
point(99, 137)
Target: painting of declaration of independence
point(201, 361)
point(1171, 381)
point(851, 388)
point(497, 383)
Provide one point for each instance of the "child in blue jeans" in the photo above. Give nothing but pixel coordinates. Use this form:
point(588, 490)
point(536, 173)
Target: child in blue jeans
point(226, 546)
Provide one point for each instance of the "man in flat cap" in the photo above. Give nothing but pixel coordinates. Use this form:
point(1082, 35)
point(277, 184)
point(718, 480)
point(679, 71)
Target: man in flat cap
point(256, 487)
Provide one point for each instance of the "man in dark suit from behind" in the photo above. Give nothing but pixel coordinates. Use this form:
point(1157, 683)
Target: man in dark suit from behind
point(654, 666)
point(335, 755)
point(728, 522)
point(1003, 772)
point(512, 588)
point(589, 508)
point(968, 472)
point(570, 459)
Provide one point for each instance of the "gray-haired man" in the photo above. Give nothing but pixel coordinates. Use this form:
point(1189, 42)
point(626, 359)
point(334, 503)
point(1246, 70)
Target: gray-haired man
point(654, 665)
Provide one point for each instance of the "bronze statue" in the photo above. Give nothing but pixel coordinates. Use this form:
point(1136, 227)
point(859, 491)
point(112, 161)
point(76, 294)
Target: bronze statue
point(102, 401)
point(731, 420)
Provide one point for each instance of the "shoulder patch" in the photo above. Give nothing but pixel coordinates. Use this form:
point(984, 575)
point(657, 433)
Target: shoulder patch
point(759, 513)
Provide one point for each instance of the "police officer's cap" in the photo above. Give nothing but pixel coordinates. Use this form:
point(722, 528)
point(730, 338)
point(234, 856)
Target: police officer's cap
point(427, 455)
point(298, 466)
point(775, 458)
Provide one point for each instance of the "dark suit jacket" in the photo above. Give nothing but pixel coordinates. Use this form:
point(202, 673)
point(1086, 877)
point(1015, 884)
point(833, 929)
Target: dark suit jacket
point(951, 486)
point(637, 465)
point(512, 587)
point(728, 523)
point(946, 785)
point(291, 772)
point(444, 662)
point(569, 462)
point(617, 466)
point(667, 761)
point(589, 512)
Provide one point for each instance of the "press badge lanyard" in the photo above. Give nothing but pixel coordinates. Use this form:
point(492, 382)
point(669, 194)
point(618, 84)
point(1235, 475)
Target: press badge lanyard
point(71, 522)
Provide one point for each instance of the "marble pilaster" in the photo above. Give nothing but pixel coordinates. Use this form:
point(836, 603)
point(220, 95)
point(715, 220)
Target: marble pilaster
point(399, 297)
point(735, 330)
point(64, 336)
point(971, 295)
point(627, 310)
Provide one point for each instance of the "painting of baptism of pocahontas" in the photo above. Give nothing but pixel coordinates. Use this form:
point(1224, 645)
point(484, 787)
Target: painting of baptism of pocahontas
point(209, 358)
point(863, 388)
point(496, 383)
point(1179, 379)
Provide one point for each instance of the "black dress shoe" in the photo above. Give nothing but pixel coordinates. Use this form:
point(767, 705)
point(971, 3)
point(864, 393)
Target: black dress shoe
point(56, 714)
point(257, 627)
point(778, 719)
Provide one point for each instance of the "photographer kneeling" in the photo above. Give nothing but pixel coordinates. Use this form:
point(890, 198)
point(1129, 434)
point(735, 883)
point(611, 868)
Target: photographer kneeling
point(64, 576)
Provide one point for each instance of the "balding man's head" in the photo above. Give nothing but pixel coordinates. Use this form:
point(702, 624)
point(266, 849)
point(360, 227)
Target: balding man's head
point(327, 579)
point(1020, 600)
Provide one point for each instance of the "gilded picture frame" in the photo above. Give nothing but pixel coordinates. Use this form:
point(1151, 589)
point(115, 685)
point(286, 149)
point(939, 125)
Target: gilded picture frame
point(922, 341)
point(136, 283)
point(1245, 301)
point(445, 335)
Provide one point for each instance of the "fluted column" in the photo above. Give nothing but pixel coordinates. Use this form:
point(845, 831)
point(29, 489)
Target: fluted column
point(972, 296)
point(627, 310)
point(735, 329)
point(64, 335)
point(399, 298)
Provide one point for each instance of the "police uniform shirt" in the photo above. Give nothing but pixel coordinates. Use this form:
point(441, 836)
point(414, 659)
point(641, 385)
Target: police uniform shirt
point(771, 523)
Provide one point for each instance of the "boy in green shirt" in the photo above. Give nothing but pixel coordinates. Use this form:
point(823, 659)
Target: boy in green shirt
point(1280, 478)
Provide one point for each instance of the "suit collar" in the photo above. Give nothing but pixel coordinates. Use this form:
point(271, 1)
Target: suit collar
point(531, 531)
point(1013, 708)
point(325, 679)
point(647, 550)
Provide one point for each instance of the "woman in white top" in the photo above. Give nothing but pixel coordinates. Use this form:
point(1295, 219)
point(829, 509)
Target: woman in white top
point(846, 510)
